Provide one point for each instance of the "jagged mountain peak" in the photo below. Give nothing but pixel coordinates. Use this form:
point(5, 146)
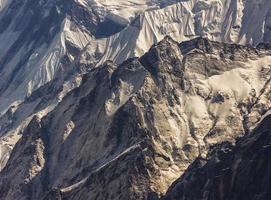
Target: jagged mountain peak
point(149, 117)
point(117, 99)
point(52, 36)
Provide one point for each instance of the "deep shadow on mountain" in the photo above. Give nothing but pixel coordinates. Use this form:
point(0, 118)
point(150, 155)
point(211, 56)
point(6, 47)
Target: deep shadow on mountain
point(231, 172)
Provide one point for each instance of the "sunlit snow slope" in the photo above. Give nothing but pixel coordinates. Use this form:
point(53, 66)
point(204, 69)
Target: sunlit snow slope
point(54, 40)
point(33, 38)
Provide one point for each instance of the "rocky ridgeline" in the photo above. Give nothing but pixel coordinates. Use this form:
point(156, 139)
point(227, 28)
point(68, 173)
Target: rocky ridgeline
point(230, 172)
point(130, 131)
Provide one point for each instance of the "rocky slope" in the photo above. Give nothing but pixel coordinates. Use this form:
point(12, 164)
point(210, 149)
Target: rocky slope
point(129, 131)
point(239, 172)
point(39, 40)
point(58, 41)
point(49, 41)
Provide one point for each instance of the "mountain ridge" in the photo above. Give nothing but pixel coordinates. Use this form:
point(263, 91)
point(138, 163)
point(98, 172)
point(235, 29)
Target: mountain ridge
point(230, 170)
point(130, 99)
point(77, 32)
point(146, 120)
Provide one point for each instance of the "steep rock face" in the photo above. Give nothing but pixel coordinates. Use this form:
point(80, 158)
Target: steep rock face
point(32, 146)
point(46, 42)
point(129, 131)
point(38, 39)
point(40, 103)
point(41, 42)
point(239, 172)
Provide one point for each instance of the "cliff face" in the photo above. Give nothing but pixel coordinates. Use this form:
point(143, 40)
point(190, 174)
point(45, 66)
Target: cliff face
point(129, 131)
point(47, 45)
point(39, 40)
point(231, 172)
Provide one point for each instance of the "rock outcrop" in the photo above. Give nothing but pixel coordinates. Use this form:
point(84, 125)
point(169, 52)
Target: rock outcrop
point(57, 41)
point(230, 172)
point(129, 131)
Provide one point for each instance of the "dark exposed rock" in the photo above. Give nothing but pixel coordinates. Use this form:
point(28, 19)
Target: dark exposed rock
point(129, 131)
point(231, 172)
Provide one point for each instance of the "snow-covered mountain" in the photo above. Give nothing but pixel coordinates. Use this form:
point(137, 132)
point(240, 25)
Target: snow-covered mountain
point(74, 70)
point(38, 38)
point(129, 131)
point(43, 42)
